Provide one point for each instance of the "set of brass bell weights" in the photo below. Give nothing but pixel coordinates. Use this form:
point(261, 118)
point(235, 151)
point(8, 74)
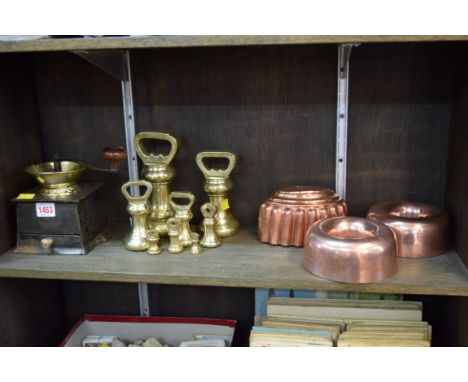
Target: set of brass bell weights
point(156, 213)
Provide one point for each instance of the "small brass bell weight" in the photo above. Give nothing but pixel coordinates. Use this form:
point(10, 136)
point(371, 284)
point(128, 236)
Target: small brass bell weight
point(217, 184)
point(195, 249)
point(153, 242)
point(210, 239)
point(158, 171)
point(174, 230)
point(184, 214)
point(138, 208)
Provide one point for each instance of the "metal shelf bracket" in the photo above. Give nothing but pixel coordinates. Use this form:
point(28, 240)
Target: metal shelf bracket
point(344, 53)
point(113, 62)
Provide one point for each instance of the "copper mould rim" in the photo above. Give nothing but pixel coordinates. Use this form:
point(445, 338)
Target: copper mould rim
point(304, 194)
point(354, 229)
point(410, 212)
point(303, 202)
point(303, 189)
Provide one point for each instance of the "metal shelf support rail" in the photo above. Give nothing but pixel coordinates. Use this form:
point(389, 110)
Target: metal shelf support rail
point(129, 121)
point(344, 52)
point(116, 63)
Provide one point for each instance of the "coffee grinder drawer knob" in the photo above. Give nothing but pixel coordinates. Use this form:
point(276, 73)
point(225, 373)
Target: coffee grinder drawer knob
point(47, 242)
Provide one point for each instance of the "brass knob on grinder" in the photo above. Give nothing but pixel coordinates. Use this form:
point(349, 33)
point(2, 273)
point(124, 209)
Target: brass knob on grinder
point(217, 185)
point(47, 242)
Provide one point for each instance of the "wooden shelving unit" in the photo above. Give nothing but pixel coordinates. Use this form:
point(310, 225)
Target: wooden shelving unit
point(271, 99)
point(242, 261)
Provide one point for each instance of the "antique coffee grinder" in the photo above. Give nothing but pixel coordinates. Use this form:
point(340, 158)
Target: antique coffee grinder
point(62, 216)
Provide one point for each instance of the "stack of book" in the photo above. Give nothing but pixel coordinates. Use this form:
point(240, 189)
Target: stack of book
point(334, 322)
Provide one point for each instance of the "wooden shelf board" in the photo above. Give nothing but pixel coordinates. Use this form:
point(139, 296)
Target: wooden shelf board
point(128, 42)
point(242, 261)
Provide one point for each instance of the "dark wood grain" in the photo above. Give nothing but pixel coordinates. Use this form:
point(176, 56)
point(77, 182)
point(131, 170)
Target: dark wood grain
point(87, 297)
point(211, 302)
point(456, 315)
point(56, 44)
point(456, 311)
point(31, 313)
point(20, 143)
point(81, 114)
point(457, 167)
point(274, 106)
point(31, 310)
point(399, 114)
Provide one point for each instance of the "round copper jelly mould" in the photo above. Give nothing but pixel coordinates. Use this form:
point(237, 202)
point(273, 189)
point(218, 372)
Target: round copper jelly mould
point(421, 230)
point(351, 250)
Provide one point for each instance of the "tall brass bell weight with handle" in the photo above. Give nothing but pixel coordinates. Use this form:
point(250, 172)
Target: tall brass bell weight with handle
point(217, 185)
point(138, 208)
point(159, 173)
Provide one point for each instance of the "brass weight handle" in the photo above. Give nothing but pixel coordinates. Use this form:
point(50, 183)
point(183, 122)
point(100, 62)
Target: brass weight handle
point(150, 158)
point(212, 172)
point(181, 195)
point(208, 210)
point(173, 226)
point(138, 183)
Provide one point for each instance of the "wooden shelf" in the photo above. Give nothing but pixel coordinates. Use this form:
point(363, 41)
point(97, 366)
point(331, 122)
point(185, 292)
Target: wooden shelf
point(242, 261)
point(128, 42)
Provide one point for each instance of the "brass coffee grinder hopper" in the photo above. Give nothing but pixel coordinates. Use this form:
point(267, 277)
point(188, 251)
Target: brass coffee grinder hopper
point(61, 216)
point(59, 179)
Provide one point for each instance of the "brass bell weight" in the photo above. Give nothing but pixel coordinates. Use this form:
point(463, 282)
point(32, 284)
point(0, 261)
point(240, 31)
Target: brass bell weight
point(153, 242)
point(217, 185)
point(174, 228)
point(210, 238)
point(138, 208)
point(160, 173)
point(183, 212)
point(195, 249)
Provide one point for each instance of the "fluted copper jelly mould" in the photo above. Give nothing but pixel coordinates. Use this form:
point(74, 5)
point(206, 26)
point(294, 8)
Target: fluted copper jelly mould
point(287, 214)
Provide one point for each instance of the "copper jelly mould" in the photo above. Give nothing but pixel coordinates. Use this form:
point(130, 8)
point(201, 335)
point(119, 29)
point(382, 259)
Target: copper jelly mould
point(287, 214)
